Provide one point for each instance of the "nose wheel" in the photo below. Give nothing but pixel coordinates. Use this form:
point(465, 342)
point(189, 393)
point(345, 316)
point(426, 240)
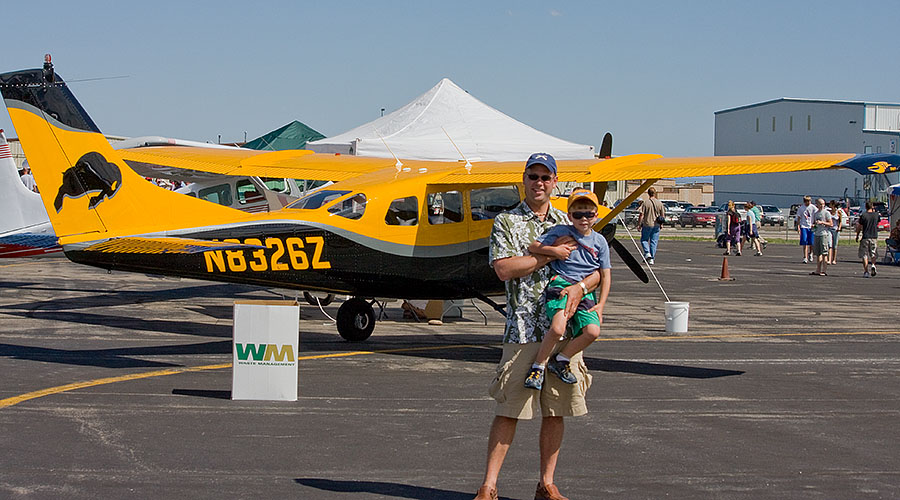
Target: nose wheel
point(355, 320)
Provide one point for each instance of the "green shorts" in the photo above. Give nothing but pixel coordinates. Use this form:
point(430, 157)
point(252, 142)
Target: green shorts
point(582, 316)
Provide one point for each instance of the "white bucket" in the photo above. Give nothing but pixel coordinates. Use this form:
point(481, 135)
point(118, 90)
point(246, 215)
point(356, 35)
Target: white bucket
point(677, 317)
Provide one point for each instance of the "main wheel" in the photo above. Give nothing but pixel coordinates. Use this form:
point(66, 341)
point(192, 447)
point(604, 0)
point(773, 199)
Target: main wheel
point(355, 320)
point(312, 300)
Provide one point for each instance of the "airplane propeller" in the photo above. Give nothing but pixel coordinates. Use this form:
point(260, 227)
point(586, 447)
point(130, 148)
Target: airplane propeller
point(609, 232)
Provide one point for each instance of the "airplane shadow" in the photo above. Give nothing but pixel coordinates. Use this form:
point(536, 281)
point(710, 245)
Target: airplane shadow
point(386, 489)
point(112, 358)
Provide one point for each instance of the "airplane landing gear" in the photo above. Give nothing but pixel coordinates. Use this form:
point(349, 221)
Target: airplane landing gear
point(355, 320)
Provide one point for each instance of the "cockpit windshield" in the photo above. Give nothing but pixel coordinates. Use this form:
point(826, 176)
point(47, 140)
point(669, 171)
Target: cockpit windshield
point(315, 200)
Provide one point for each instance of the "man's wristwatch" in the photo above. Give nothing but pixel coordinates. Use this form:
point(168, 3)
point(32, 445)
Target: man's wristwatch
point(583, 288)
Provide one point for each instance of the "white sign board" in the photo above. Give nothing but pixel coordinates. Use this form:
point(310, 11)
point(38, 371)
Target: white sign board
point(265, 349)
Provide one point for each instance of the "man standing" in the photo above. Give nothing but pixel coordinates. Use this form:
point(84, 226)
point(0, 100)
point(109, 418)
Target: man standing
point(28, 179)
point(526, 276)
point(651, 218)
point(805, 214)
point(868, 245)
point(821, 237)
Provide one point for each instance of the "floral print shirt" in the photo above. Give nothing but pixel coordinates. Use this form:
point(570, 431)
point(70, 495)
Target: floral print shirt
point(513, 231)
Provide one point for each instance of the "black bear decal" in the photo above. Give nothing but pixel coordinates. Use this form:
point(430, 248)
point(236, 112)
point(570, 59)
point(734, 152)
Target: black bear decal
point(91, 174)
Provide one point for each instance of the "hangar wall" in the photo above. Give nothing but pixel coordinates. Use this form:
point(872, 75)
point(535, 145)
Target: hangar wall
point(786, 126)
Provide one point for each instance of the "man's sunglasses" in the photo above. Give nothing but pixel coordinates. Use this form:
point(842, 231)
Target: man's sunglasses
point(544, 178)
point(583, 215)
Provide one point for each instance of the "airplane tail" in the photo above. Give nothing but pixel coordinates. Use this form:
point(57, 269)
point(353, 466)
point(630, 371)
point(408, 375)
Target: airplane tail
point(87, 189)
point(21, 208)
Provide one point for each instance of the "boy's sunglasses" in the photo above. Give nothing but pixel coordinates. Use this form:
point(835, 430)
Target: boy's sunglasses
point(583, 215)
point(544, 178)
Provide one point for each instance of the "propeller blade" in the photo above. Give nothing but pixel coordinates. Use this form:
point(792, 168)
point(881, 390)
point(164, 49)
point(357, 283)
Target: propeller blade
point(629, 260)
point(606, 146)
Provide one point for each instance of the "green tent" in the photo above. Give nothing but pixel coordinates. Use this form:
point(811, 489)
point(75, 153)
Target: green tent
point(294, 135)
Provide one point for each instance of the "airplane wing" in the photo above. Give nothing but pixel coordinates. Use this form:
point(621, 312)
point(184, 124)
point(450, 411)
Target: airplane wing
point(646, 166)
point(197, 163)
point(194, 163)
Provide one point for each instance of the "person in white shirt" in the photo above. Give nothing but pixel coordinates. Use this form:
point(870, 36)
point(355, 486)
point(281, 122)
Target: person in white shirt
point(753, 224)
point(28, 179)
point(805, 214)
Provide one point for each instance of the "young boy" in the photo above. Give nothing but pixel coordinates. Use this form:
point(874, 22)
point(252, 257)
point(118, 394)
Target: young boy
point(591, 253)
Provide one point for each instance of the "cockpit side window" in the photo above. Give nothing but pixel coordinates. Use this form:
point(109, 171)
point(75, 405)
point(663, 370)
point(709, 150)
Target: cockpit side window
point(403, 212)
point(444, 208)
point(352, 208)
point(488, 202)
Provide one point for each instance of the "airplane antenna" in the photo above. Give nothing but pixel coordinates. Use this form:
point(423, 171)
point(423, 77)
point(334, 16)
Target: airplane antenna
point(399, 164)
point(468, 164)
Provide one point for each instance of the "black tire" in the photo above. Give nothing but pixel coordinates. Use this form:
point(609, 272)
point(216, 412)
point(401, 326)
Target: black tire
point(312, 300)
point(355, 320)
point(682, 224)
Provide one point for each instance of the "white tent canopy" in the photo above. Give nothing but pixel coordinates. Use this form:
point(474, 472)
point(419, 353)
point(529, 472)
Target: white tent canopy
point(417, 132)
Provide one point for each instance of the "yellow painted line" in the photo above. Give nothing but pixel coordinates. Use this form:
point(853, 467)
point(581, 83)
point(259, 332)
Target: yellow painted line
point(16, 264)
point(4, 403)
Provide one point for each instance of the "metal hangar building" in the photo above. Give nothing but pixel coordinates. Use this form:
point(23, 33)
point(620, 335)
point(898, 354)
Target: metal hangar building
point(796, 126)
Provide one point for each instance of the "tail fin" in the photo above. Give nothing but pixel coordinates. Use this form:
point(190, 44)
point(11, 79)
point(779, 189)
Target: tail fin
point(87, 189)
point(21, 207)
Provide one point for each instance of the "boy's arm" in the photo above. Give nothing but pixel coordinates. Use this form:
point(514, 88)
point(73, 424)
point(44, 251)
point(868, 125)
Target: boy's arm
point(560, 252)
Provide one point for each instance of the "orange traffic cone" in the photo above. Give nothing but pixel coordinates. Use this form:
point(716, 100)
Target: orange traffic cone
point(725, 276)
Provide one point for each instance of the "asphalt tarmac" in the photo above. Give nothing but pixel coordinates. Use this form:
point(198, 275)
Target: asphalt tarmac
point(118, 386)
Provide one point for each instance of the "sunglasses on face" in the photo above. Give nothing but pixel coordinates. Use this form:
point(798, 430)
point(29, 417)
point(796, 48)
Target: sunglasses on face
point(543, 178)
point(583, 215)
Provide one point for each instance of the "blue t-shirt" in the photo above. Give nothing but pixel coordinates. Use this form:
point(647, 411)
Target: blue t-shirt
point(592, 253)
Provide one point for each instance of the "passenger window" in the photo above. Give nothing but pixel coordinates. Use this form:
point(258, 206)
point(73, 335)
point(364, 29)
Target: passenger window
point(488, 202)
point(352, 208)
point(444, 208)
point(220, 194)
point(247, 192)
point(403, 212)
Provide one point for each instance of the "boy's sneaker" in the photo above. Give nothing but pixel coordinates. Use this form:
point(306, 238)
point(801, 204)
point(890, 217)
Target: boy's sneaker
point(873, 270)
point(561, 370)
point(535, 379)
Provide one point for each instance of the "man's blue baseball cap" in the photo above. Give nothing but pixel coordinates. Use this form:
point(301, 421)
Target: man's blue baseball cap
point(542, 159)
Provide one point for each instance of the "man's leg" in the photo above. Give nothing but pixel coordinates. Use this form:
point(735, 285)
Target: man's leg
point(552, 429)
point(503, 430)
point(654, 240)
point(645, 241)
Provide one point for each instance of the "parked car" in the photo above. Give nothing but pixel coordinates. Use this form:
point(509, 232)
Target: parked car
point(694, 216)
point(884, 224)
point(630, 214)
point(854, 216)
point(772, 215)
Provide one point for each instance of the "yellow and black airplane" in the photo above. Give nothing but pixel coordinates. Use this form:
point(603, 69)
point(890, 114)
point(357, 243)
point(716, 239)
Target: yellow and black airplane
point(409, 230)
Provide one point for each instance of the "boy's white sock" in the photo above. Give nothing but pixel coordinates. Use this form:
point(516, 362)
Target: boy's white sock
point(561, 358)
point(538, 366)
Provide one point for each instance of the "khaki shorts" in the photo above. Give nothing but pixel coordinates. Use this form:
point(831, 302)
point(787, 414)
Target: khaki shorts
point(868, 249)
point(556, 399)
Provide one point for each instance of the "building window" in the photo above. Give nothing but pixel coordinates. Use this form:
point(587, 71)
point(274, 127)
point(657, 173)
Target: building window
point(791, 124)
point(773, 124)
point(757, 124)
point(867, 150)
point(808, 122)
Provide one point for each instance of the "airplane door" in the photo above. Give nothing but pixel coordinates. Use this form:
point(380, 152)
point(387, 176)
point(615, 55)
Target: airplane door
point(483, 205)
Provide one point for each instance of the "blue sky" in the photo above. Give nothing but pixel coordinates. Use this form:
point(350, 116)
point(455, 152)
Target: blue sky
point(652, 73)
